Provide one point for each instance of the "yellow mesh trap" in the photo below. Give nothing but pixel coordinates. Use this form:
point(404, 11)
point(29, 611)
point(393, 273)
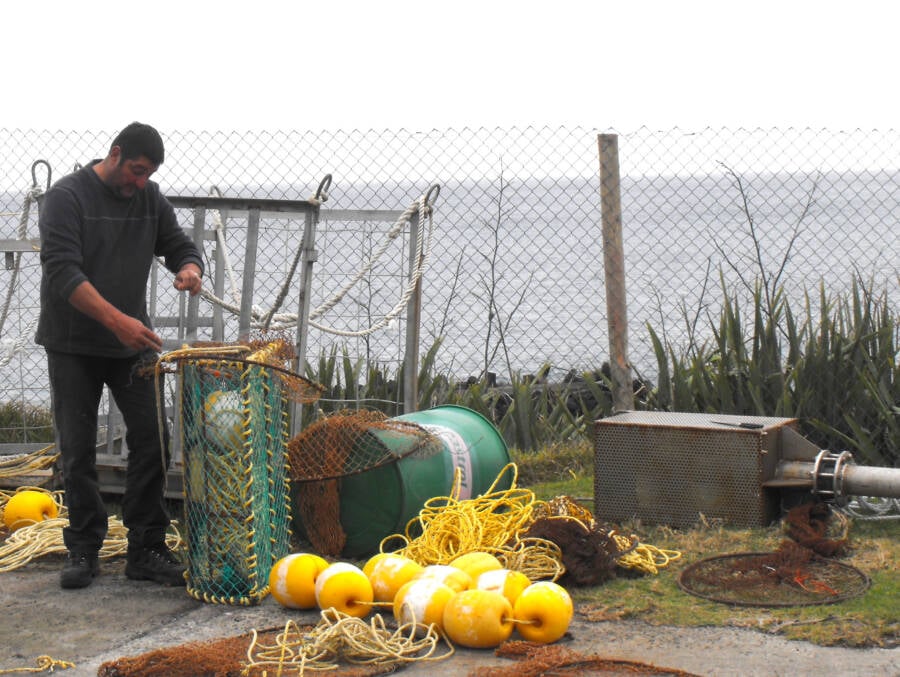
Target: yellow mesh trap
point(233, 406)
point(345, 443)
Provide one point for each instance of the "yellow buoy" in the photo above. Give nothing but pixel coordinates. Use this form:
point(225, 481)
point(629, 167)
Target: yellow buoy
point(292, 581)
point(478, 619)
point(29, 507)
point(508, 583)
point(456, 578)
point(422, 601)
point(344, 587)
point(476, 563)
point(388, 573)
point(543, 612)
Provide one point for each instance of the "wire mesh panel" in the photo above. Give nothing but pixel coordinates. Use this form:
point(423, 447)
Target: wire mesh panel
point(669, 468)
point(235, 428)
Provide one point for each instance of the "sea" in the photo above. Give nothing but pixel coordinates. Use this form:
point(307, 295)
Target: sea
point(514, 273)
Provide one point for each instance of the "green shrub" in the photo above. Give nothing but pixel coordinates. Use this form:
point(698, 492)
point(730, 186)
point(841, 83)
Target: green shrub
point(25, 423)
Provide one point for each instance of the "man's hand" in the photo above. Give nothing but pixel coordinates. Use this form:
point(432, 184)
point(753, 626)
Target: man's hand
point(134, 334)
point(188, 279)
point(129, 330)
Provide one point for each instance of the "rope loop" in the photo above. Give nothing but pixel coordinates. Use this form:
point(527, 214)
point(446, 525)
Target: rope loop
point(322, 190)
point(432, 194)
point(34, 165)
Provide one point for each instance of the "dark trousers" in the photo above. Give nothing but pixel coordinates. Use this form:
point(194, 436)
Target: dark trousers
point(76, 383)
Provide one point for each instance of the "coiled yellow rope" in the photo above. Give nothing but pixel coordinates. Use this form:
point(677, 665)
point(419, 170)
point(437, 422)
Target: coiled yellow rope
point(645, 557)
point(44, 663)
point(339, 636)
point(46, 537)
point(447, 527)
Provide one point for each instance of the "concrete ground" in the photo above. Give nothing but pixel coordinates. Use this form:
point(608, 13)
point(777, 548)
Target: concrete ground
point(116, 617)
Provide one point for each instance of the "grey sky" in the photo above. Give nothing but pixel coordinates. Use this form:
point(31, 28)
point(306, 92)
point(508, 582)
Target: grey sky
point(341, 64)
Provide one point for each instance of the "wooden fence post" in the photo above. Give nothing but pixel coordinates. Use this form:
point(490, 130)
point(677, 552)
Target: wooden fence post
point(614, 268)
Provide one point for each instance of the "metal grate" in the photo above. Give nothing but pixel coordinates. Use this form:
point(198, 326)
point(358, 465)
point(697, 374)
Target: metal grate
point(668, 468)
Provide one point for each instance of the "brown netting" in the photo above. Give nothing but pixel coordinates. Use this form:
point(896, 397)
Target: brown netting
point(798, 573)
point(353, 441)
point(811, 525)
point(345, 443)
point(533, 660)
point(224, 657)
point(589, 553)
point(319, 507)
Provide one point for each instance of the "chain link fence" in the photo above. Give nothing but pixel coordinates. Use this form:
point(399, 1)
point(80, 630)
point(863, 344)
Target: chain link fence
point(515, 277)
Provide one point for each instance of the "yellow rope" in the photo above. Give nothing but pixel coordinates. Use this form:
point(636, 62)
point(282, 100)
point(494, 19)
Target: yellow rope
point(46, 537)
point(17, 465)
point(339, 636)
point(44, 663)
point(645, 557)
point(448, 527)
point(537, 558)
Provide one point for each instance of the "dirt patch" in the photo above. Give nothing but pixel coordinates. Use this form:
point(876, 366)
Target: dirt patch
point(116, 617)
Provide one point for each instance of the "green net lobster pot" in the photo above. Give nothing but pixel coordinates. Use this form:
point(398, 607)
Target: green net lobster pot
point(235, 428)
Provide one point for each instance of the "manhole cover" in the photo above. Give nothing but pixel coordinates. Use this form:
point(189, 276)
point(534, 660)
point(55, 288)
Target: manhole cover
point(749, 579)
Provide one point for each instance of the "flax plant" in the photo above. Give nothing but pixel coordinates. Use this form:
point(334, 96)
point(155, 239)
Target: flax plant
point(834, 368)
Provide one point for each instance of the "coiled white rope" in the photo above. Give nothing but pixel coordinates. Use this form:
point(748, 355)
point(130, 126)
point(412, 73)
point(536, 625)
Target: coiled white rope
point(277, 321)
point(872, 509)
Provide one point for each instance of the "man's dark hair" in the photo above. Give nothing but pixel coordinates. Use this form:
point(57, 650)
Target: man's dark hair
point(138, 139)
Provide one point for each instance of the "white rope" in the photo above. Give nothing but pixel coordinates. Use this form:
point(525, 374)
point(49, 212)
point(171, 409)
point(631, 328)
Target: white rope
point(219, 227)
point(423, 252)
point(278, 321)
point(391, 235)
point(10, 347)
point(872, 509)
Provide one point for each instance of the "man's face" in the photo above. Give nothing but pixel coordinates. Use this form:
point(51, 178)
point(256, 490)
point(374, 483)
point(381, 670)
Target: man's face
point(130, 176)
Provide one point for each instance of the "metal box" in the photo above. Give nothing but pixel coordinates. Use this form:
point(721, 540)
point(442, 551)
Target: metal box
point(668, 468)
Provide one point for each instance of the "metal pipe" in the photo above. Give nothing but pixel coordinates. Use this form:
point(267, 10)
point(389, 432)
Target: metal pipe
point(835, 477)
point(862, 480)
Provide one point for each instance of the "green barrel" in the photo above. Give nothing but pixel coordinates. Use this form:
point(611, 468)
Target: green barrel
point(380, 502)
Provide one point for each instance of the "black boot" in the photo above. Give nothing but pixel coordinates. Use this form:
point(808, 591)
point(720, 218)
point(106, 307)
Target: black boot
point(80, 570)
point(156, 563)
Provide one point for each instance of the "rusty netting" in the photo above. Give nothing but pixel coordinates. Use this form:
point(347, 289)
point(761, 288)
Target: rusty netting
point(223, 657)
point(533, 660)
point(234, 419)
point(590, 552)
point(345, 443)
point(339, 644)
point(800, 572)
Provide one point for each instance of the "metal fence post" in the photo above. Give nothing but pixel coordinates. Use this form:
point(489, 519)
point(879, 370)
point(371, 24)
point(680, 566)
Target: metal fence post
point(308, 259)
point(249, 273)
point(614, 268)
point(413, 313)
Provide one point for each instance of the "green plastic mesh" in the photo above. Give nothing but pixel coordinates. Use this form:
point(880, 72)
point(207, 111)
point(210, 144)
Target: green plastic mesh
point(235, 429)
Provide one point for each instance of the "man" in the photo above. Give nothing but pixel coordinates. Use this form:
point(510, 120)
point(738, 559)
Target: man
point(101, 229)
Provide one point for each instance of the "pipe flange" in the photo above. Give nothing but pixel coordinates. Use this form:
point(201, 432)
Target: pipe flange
point(828, 475)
